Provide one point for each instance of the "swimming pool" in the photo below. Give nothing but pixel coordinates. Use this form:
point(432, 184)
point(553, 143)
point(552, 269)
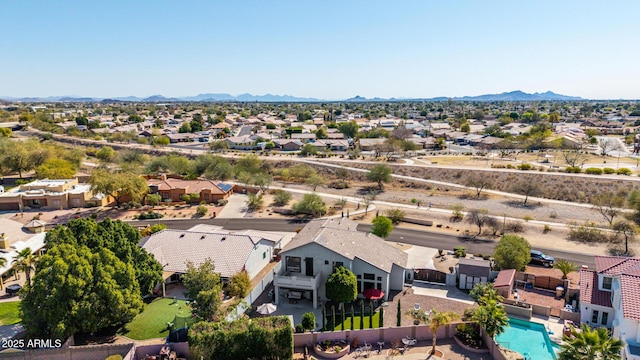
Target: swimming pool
point(529, 339)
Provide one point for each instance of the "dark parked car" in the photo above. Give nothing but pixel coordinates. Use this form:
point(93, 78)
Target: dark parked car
point(13, 289)
point(538, 258)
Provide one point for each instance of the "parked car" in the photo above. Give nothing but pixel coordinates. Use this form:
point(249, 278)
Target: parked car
point(13, 289)
point(539, 258)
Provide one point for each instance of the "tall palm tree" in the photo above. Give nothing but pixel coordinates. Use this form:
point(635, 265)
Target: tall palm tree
point(26, 261)
point(590, 344)
point(436, 321)
point(491, 317)
point(565, 266)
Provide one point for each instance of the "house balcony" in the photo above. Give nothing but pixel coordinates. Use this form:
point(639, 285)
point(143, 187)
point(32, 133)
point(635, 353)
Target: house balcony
point(296, 281)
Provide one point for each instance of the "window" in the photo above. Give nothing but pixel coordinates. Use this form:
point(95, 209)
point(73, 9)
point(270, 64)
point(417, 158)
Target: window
point(369, 276)
point(379, 278)
point(264, 255)
point(606, 283)
point(326, 262)
point(605, 318)
point(337, 264)
point(359, 276)
point(293, 264)
point(594, 316)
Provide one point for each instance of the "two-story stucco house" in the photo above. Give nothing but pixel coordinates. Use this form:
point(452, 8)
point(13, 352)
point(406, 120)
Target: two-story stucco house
point(610, 297)
point(325, 244)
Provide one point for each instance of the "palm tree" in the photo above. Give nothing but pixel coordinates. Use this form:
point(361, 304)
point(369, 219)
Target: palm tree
point(491, 317)
point(590, 344)
point(436, 321)
point(25, 261)
point(565, 266)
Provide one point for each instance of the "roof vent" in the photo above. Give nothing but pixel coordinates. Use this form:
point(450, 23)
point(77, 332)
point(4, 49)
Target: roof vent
point(223, 238)
point(181, 236)
point(202, 237)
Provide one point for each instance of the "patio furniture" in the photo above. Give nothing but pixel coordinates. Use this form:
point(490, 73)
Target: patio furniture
point(409, 343)
point(380, 346)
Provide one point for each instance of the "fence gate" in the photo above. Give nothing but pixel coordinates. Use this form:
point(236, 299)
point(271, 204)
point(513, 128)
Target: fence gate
point(430, 275)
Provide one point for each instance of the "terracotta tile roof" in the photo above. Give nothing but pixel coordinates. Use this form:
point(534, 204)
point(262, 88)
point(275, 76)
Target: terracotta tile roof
point(505, 278)
point(589, 292)
point(614, 266)
point(630, 288)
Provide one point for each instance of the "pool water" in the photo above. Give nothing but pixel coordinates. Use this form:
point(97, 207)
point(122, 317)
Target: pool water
point(529, 339)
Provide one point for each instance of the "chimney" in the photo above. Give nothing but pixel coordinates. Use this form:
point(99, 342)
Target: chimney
point(163, 177)
point(585, 267)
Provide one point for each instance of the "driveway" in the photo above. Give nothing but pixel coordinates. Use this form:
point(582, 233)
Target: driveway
point(235, 208)
point(441, 291)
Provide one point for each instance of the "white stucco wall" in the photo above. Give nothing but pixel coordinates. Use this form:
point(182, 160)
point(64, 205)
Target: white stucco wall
point(256, 261)
point(586, 310)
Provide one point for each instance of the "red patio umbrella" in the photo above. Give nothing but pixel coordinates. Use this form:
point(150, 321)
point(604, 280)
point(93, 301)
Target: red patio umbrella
point(373, 294)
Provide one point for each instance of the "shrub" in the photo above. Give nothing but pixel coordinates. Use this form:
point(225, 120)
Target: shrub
point(547, 229)
point(396, 215)
point(514, 227)
point(281, 197)
point(299, 328)
point(585, 233)
point(309, 321)
point(573, 169)
point(623, 171)
point(201, 210)
point(460, 251)
point(114, 357)
point(149, 215)
point(553, 215)
point(527, 218)
point(608, 170)
point(524, 167)
point(593, 171)
point(414, 200)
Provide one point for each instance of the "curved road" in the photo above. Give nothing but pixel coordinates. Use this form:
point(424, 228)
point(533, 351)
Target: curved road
point(406, 236)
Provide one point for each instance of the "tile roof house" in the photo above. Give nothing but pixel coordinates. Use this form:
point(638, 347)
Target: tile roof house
point(610, 297)
point(230, 251)
point(52, 194)
point(324, 244)
point(172, 188)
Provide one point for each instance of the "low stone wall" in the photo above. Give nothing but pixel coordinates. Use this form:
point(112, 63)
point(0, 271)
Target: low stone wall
point(541, 310)
point(418, 221)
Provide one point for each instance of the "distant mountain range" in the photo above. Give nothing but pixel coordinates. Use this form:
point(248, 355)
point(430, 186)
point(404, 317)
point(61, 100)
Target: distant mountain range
point(209, 97)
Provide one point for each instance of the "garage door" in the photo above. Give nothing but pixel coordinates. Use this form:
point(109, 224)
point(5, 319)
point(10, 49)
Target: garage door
point(9, 206)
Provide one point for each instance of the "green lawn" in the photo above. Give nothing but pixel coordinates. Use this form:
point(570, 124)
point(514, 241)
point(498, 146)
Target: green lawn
point(9, 313)
point(152, 321)
point(356, 321)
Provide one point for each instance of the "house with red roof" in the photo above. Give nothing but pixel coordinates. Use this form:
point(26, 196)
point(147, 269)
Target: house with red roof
point(174, 188)
point(610, 297)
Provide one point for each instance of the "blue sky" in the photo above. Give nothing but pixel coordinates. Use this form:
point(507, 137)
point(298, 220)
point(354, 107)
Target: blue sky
point(322, 49)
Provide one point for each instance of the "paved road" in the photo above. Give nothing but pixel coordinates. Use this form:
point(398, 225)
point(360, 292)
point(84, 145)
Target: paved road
point(407, 236)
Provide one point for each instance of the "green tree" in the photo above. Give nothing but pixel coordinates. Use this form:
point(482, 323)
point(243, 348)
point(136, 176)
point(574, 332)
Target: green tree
point(76, 289)
point(478, 217)
point(396, 215)
point(254, 201)
point(154, 199)
point(309, 321)
point(321, 133)
point(281, 197)
point(25, 261)
point(491, 317)
point(118, 185)
point(311, 204)
point(479, 182)
point(590, 343)
point(106, 154)
point(19, 159)
point(204, 286)
point(381, 226)
point(482, 292)
point(308, 149)
point(239, 285)
point(219, 146)
point(56, 168)
point(342, 285)
point(349, 129)
point(512, 252)
point(315, 181)
point(379, 174)
point(120, 238)
point(436, 320)
point(565, 267)
point(5, 132)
